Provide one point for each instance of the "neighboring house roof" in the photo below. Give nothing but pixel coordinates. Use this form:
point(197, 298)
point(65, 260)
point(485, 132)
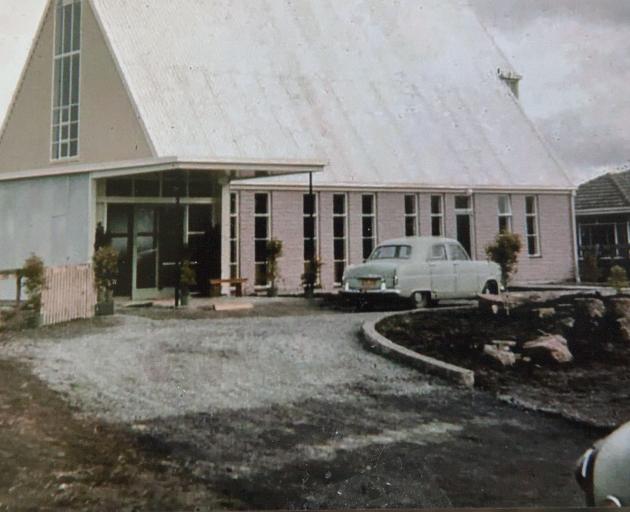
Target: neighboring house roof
point(608, 192)
point(388, 93)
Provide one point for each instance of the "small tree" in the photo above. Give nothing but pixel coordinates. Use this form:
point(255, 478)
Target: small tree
point(618, 278)
point(504, 251)
point(274, 251)
point(34, 281)
point(311, 276)
point(105, 263)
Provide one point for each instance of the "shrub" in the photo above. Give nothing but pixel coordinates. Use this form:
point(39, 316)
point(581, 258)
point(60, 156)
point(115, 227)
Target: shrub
point(504, 251)
point(311, 275)
point(187, 275)
point(33, 275)
point(618, 278)
point(590, 268)
point(274, 251)
point(105, 262)
point(101, 237)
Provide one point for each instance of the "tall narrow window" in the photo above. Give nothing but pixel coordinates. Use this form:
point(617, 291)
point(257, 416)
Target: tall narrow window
point(309, 212)
point(531, 215)
point(66, 79)
point(368, 214)
point(411, 215)
point(262, 231)
point(340, 241)
point(437, 215)
point(463, 220)
point(505, 214)
point(234, 256)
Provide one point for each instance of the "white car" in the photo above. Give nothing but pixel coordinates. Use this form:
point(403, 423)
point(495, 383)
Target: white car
point(422, 270)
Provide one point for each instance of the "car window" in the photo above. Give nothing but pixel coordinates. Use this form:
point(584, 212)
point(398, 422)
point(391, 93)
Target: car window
point(438, 253)
point(457, 253)
point(385, 252)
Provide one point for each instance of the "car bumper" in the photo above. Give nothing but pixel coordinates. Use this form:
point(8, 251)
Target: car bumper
point(378, 294)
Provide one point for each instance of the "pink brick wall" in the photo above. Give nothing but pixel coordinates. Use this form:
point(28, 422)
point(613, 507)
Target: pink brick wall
point(554, 264)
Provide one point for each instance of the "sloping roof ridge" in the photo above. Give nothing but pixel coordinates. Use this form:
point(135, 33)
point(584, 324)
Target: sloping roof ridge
point(625, 193)
point(16, 92)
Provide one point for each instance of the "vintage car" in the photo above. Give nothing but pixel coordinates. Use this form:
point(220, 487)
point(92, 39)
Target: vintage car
point(422, 270)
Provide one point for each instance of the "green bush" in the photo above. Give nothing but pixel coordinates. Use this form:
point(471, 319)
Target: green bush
point(504, 251)
point(105, 263)
point(187, 275)
point(618, 278)
point(34, 281)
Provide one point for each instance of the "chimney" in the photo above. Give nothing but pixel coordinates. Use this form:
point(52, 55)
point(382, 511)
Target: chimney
point(511, 79)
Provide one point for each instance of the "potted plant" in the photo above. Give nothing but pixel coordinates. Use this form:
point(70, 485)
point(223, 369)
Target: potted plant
point(105, 262)
point(33, 277)
point(311, 276)
point(274, 251)
point(187, 278)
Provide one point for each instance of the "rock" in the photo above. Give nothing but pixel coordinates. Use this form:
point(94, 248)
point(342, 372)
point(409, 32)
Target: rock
point(623, 329)
point(504, 344)
point(620, 308)
point(549, 349)
point(592, 309)
point(504, 358)
point(544, 312)
point(568, 322)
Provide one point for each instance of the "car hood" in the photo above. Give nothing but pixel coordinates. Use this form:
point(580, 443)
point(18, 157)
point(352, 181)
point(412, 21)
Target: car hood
point(373, 268)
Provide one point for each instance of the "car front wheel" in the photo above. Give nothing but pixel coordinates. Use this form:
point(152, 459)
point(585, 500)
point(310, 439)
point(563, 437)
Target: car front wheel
point(420, 300)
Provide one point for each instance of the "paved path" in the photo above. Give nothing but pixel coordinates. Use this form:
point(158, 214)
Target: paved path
point(291, 412)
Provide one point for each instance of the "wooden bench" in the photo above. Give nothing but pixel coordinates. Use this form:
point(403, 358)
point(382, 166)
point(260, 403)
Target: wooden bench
point(215, 286)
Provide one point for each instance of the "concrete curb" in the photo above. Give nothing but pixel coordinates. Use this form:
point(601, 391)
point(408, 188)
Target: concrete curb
point(378, 343)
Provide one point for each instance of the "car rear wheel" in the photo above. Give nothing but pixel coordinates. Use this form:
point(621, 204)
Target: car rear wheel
point(420, 300)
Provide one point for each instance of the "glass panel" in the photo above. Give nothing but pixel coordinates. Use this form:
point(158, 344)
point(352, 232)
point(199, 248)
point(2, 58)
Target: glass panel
point(75, 78)
point(438, 252)
point(233, 251)
point(436, 204)
point(368, 227)
point(174, 184)
point(368, 204)
point(233, 227)
point(504, 224)
point(147, 186)
point(340, 249)
point(410, 226)
point(64, 131)
point(65, 81)
point(462, 203)
point(260, 249)
point(368, 246)
point(339, 227)
point(199, 218)
point(261, 274)
point(146, 262)
point(76, 31)
point(145, 220)
point(120, 187)
point(309, 249)
point(117, 220)
point(233, 204)
point(74, 148)
point(201, 185)
point(74, 131)
point(339, 269)
point(261, 203)
point(532, 245)
point(261, 227)
point(64, 150)
point(233, 271)
point(309, 228)
point(75, 114)
point(59, 31)
point(67, 28)
point(339, 204)
point(504, 205)
point(122, 247)
point(531, 226)
point(410, 205)
point(58, 70)
point(309, 205)
point(55, 151)
point(530, 205)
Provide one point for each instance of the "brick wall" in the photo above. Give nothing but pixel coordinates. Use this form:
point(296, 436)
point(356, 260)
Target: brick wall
point(554, 264)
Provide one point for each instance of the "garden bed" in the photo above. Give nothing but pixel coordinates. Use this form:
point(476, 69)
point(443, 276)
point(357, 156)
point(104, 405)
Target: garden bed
point(593, 388)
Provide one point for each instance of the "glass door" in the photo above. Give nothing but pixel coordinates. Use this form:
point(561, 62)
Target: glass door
point(145, 252)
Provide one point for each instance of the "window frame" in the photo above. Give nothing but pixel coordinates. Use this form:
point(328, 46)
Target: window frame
point(372, 217)
point(535, 217)
point(344, 239)
point(508, 215)
point(235, 249)
point(267, 215)
point(414, 216)
point(62, 118)
point(306, 218)
point(437, 215)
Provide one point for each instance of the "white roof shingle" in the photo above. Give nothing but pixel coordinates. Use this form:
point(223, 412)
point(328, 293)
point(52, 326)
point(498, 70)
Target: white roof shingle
point(388, 92)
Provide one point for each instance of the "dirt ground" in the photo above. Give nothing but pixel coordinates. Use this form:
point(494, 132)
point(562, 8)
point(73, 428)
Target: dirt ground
point(52, 459)
point(594, 389)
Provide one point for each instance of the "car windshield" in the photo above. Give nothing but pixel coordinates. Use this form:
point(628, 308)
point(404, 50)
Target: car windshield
point(390, 252)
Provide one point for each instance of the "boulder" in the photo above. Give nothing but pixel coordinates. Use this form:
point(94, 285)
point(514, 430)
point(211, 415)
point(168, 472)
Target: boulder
point(623, 329)
point(502, 357)
point(552, 348)
point(590, 309)
point(542, 313)
point(619, 308)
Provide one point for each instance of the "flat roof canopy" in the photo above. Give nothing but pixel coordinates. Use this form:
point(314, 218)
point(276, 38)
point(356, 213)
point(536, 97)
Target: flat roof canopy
point(233, 169)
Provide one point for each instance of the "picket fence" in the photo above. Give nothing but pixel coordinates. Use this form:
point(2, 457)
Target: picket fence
point(69, 294)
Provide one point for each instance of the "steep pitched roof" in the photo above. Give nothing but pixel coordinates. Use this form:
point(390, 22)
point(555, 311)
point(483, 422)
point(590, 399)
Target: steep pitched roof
point(612, 190)
point(389, 93)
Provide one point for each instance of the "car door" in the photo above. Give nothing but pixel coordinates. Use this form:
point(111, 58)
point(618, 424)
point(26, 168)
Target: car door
point(465, 270)
point(442, 272)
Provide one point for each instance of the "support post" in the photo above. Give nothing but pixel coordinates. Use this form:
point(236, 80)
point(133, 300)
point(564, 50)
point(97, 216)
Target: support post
point(179, 242)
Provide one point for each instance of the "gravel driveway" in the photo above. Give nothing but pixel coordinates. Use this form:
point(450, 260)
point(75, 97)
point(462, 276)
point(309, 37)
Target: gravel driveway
point(291, 412)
